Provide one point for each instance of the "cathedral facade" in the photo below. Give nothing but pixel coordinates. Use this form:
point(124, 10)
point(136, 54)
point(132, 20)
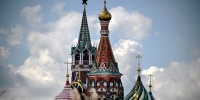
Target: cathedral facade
point(97, 69)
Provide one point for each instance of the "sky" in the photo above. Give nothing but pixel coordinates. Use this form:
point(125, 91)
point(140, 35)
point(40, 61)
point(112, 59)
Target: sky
point(36, 38)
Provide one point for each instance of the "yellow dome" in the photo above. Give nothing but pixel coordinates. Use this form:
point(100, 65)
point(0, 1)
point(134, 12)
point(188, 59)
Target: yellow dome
point(105, 14)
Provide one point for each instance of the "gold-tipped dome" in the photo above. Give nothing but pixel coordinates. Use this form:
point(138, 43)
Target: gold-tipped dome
point(105, 14)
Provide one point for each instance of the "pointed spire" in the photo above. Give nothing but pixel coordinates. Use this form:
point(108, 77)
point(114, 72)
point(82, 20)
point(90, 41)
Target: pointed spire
point(84, 35)
point(67, 82)
point(138, 57)
point(150, 77)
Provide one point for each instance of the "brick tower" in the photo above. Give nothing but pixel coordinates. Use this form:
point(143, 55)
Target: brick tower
point(105, 76)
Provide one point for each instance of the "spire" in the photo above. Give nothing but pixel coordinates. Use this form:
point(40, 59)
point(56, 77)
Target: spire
point(84, 35)
point(67, 82)
point(150, 76)
point(138, 57)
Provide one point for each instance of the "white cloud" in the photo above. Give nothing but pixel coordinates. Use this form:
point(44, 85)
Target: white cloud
point(132, 25)
point(4, 52)
point(179, 81)
point(58, 7)
point(32, 14)
point(16, 36)
point(125, 52)
point(44, 70)
point(94, 26)
point(152, 70)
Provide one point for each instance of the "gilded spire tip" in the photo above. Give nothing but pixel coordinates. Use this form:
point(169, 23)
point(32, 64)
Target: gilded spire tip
point(67, 70)
point(104, 3)
point(150, 78)
point(139, 70)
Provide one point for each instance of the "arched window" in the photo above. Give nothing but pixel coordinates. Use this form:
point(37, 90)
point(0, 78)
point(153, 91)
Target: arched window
point(77, 55)
point(93, 57)
point(85, 55)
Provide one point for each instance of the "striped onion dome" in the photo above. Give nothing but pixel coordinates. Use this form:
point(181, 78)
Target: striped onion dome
point(66, 94)
point(139, 92)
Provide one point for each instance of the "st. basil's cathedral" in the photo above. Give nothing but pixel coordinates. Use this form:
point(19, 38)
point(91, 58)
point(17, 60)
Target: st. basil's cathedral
point(96, 68)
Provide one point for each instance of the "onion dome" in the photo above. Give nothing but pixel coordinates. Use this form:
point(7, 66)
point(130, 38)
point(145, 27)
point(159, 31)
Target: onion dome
point(138, 92)
point(105, 14)
point(67, 93)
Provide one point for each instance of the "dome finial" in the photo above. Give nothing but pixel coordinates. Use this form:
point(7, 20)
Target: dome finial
point(104, 3)
point(150, 77)
point(67, 71)
point(138, 57)
point(105, 14)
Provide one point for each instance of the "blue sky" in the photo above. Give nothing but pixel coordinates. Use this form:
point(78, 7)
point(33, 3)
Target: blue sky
point(176, 22)
point(32, 32)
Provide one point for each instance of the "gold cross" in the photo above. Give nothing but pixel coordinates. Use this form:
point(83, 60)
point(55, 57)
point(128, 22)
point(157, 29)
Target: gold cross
point(67, 70)
point(150, 77)
point(138, 57)
point(67, 65)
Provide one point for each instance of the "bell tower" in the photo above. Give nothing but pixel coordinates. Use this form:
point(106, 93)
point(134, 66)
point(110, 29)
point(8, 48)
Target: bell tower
point(83, 53)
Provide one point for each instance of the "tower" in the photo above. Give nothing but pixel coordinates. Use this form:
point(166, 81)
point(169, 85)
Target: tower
point(138, 92)
point(83, 53)
point(105, 76)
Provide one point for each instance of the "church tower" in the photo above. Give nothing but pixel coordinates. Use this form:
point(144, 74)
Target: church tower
point(83, 53)
point(105, 76)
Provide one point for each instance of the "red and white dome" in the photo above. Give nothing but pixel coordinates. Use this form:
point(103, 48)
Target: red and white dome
point(66, 94)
